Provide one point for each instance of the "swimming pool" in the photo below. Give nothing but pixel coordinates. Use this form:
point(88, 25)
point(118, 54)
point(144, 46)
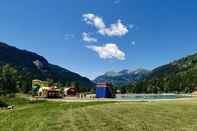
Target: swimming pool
point(151, 96)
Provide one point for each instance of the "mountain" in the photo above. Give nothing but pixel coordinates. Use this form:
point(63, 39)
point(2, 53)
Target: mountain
point(177, 67)
point(177, 76)
point(123, 77)
point(34, 66)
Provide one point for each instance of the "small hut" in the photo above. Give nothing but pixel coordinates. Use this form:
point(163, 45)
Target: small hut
point(70, 91)
point(194, 92)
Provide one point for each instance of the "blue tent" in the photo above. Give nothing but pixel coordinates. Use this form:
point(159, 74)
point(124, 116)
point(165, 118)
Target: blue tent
point(104, 90)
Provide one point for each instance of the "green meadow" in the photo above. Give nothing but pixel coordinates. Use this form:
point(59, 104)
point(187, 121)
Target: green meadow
point(99, 116)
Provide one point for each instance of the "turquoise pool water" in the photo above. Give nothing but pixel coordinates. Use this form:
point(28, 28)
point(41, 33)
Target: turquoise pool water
point(150, 96)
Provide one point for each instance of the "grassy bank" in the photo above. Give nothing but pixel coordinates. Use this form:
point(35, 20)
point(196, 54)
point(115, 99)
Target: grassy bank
point(104, 116)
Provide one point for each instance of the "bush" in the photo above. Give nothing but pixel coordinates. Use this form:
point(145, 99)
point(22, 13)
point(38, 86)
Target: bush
point(3, 104)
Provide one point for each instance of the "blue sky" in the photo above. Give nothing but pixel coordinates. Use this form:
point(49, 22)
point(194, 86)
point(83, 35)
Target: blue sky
point(93, 36)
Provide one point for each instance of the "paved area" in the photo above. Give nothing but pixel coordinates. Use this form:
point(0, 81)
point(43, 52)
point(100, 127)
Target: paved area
point(113, 100)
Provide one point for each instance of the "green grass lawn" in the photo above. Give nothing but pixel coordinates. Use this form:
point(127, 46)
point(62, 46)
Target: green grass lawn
point(99, 116)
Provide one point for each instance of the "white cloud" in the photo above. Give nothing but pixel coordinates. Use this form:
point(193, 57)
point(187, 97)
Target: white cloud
point(86, 37)
point(116, 1)
point(69, 36)
point(108, 51)
point(131, 26)
point(116, 29)
point(133, 43)
point(94, 20)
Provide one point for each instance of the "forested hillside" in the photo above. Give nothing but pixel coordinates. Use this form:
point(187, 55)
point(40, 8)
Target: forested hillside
point(31, 66)
point(179, 76)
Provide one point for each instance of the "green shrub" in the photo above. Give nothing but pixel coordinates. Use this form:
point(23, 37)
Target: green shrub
point(3, 104)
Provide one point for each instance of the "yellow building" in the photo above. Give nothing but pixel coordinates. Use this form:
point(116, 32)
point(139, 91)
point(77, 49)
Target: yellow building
point(44, 89)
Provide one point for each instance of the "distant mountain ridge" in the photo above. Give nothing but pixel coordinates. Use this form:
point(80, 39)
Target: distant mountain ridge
point(34, 66)
point(123, 77)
